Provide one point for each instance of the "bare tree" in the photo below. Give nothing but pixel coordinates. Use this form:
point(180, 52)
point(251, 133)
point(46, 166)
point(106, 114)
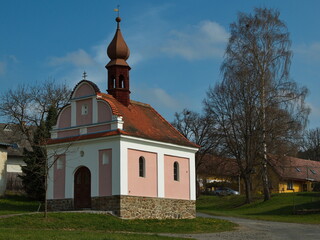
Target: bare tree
point(257, 104)
point(199, 129)
point(27, 105)
point(311, 145)
point(33, 109)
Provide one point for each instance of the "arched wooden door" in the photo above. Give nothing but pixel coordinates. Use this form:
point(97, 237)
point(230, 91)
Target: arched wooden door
point(82, 188)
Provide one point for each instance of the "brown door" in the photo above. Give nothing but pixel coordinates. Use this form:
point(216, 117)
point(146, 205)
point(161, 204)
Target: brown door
point(82, 188)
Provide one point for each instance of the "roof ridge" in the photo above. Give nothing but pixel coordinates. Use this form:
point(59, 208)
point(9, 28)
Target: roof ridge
point(141, 103)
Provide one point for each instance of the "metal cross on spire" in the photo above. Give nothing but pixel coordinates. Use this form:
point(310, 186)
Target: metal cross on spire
point(84, 75)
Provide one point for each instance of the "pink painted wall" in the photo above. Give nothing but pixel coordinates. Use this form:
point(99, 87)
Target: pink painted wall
point(104, 112)
point(59, 177)
point(84, 90)
point(105, 173)
point(176, 189)
point(101, 128)
point(64, 120)
point(142, 186)
point(84, 119)
point(68, 133)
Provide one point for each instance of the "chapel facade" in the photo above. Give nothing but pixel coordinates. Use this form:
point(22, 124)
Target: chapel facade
point(111, 153)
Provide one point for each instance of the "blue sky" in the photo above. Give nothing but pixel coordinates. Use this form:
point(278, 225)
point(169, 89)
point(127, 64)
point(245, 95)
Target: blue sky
point(176, 46)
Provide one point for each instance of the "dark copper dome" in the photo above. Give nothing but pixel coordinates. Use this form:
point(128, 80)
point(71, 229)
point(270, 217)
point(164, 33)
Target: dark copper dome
point(118, 48)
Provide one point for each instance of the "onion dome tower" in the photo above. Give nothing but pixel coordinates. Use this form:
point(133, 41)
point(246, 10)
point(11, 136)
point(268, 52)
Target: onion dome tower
point(118, 68)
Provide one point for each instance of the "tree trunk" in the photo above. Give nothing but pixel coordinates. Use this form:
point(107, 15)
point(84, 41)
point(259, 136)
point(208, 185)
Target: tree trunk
point(247, 182)
point(265, 180)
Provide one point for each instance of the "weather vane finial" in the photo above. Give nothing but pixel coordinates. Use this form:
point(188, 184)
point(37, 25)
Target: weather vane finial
point(84, 75)
point(117, 10)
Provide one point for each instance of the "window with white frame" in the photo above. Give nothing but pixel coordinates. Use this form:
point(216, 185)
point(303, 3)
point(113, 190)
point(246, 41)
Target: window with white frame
point(84, 109)
point(142, 167)
point(290, 185)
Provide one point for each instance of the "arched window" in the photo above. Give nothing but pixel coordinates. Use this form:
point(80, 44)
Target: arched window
point(142, 167)
point(176, 171)
point(113, 82)
point(121, 81)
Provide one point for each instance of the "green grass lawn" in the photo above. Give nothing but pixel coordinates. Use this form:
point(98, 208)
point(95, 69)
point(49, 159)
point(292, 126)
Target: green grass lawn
point(279, 208)
point(92, 226)
point(12, 204)
point(26, 234)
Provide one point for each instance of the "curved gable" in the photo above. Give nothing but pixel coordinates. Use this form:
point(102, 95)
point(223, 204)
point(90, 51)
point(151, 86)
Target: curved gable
point(104, 111)
point(85, 88)
point(64, 117)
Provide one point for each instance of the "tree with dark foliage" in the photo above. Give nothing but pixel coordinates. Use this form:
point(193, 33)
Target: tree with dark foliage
point(35, 172)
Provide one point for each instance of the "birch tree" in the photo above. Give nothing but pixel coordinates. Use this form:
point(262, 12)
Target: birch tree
point(257, 104)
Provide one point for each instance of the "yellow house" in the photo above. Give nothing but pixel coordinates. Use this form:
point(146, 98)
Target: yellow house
point(293, 174)
point(286, 174)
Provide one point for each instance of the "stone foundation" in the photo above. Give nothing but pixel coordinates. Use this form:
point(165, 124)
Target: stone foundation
point(159, 208)
point(132, 207)
point(60, 204)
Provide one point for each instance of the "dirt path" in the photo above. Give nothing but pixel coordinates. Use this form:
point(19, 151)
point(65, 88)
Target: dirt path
point(260, 230)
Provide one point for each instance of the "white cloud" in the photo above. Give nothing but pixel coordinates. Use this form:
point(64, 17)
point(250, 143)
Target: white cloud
point(204, 40)
point(314, 115)
point(156, 97)
point(3, 68)
point(79, 58)
point(309, 51)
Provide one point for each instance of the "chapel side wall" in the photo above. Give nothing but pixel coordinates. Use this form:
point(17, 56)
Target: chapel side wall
point(146, 185)
point(178, 189)
point(162, 150)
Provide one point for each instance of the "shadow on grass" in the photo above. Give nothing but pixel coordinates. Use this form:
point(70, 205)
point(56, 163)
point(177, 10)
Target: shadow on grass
point(17, 203)
point(288, 210)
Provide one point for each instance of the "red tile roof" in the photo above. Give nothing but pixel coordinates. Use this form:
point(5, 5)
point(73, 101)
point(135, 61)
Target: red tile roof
point(288, 168)
point(140, 120)
point(296, 168)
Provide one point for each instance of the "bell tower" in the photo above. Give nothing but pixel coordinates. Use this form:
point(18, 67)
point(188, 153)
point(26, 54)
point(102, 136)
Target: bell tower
point(118, 68)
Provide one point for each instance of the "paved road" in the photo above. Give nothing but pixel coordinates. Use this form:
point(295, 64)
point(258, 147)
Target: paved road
point(261, 230)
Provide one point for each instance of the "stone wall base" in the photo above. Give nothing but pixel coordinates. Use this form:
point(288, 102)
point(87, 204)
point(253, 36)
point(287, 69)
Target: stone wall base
point(133, 207)
point(60, 204)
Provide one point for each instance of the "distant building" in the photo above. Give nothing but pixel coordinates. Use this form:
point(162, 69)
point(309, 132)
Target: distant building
point(12, 136)
point(3, 167)
point(286, 174)
point(115, 154)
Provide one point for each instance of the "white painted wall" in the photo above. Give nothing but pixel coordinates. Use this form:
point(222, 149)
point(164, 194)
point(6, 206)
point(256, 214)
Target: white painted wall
point(119, 145)
point(90, 160)
point(3, 169)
